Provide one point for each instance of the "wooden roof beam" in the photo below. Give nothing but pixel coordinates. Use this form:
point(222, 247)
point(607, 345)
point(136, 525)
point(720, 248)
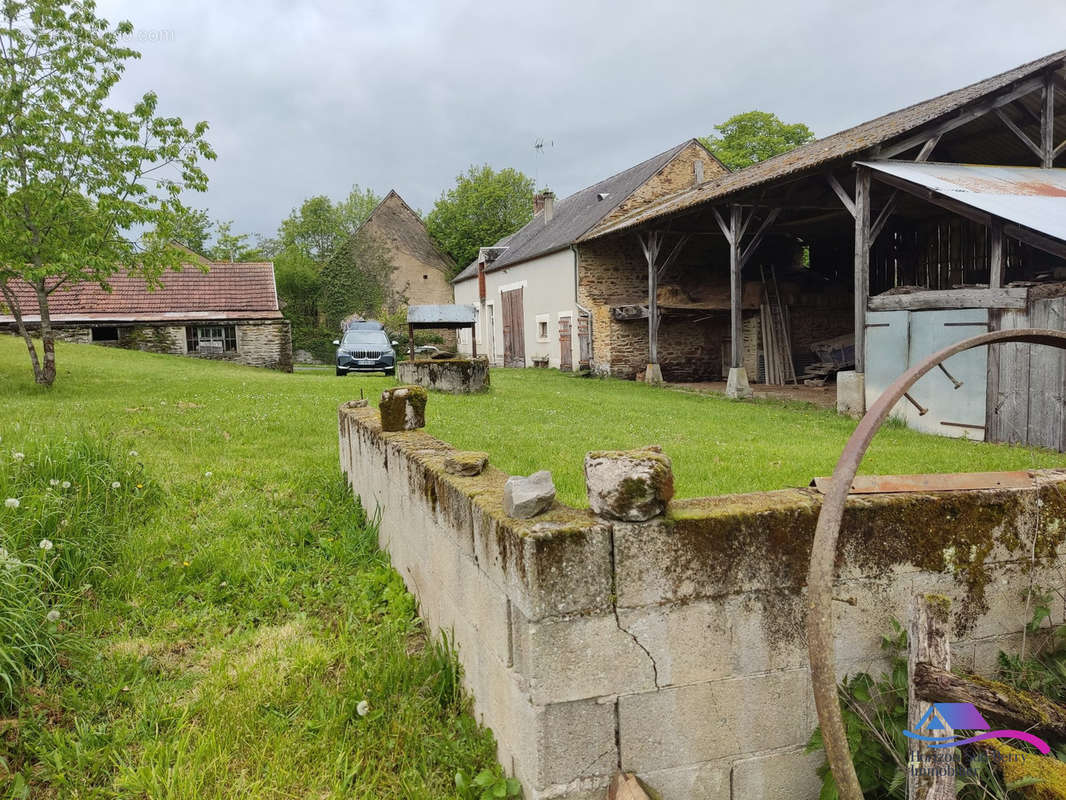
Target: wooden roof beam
point(984, 107)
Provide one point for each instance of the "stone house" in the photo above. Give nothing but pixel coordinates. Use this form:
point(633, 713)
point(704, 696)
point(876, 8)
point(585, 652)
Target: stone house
point(420, 269)
point(220, 310)
point(543, 295)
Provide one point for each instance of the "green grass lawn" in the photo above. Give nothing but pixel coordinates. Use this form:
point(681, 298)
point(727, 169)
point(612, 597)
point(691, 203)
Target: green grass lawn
point(225, 640)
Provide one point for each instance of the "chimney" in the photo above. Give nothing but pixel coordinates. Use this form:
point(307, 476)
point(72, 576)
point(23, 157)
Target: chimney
point(697, 168)
point(481, 281)
point(538, 203)
point(549, 205)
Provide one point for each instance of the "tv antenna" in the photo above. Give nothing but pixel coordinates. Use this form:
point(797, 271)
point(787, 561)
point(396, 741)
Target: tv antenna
point(539, 147)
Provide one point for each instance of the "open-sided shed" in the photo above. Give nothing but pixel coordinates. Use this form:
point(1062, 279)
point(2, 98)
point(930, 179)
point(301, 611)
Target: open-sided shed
point(846, 219)
point(439, 317)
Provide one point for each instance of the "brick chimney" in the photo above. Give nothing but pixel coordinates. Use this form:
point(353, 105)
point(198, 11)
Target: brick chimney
point(482, 293)
point(538, 203)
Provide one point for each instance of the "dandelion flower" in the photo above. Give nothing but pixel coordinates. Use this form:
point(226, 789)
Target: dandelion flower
point(53, 482)
point(11, 502)
point(46, 545)
point(363, 708)
point(140, 485)
point(66, 484)
point(185, 563)
point(52, 616)
point(207, 474)
point(116, 485)
point(18, 456)
point(133, 453)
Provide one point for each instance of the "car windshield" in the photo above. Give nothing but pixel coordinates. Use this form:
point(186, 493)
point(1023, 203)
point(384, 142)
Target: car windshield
point(366, 339)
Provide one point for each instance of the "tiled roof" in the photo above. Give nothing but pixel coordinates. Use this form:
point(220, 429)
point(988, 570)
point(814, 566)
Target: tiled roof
point(848, 143)
point(226, 289)
point(574, 215)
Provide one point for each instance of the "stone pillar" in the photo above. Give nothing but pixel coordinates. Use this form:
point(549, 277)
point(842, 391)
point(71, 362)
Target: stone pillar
point(737, 386)
point(851, 393)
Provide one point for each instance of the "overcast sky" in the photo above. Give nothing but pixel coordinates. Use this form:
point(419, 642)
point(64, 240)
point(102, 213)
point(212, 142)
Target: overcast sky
point(308, 98)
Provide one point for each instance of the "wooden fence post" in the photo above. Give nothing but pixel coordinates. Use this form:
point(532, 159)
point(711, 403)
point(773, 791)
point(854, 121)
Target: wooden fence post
point(929, 642)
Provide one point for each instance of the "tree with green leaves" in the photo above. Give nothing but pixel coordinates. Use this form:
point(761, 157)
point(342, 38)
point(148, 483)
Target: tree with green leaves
point(482, 207)
point(754, 136)
point(320, 226)
point(77, 177)
point(192, 228)
point(230, 246)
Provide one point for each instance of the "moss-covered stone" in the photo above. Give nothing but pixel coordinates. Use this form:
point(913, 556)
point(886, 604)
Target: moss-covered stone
point(403, 408)
point(629, 485)
point(466, 462)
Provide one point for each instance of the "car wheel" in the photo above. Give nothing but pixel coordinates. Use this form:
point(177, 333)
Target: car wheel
point(341, 372)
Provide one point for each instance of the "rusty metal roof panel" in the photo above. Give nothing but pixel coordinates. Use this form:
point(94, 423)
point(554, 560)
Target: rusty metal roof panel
point(1029, 196)
point(441, 315)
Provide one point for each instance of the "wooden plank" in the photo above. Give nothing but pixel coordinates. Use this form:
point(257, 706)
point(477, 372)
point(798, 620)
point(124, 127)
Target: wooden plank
point(1015, 298)
point(1019, 133)
point(862, 263)
point(834, 184)
point(1013, 396)
point(993, 429)
point(756, 240)
point(995, 259)
point(927, 149)
point(1047, 126)
point(928, 642)
point(1037, 240)
point(948, 482)
point(1045, 379)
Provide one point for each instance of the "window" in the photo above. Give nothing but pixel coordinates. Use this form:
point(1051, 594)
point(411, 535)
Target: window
point(211, 339)
point(542, 327)
point(105, 333)
point(425, 277)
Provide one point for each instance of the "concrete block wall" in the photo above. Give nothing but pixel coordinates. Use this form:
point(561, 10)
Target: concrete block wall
point(674, 648)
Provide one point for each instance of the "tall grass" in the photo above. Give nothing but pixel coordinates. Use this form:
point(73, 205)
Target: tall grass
point(65, 503)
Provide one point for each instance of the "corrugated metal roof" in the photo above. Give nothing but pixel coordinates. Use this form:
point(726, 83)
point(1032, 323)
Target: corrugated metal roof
point(442, 315)
point(851, 143)
point(1029, 196)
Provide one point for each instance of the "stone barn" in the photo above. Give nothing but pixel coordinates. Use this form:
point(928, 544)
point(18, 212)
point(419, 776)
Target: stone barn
point(219, 310)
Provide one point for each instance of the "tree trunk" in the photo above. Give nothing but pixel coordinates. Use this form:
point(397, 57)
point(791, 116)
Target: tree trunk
point(48, 341)
point(999, 703)
point(928, 642)
point(16, 311)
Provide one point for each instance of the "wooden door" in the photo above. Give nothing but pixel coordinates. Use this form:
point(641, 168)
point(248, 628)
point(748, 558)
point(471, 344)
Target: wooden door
point(584, 351)
point(514, 340)
point(566, 357)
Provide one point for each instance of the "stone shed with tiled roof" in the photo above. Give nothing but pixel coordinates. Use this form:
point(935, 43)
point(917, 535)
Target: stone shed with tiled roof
point(526, 284)
point(218, 310)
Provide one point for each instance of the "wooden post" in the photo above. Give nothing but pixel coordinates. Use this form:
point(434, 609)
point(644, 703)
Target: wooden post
point(650, 243)
point(735, 290)
point(411, 339)
point(928, 642)
point(995, 256)
point(1047, 125)
point(473, 341)
point(862, 263)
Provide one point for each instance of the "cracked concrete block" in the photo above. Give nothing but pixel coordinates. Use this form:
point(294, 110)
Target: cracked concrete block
point(790, 774)
point(689, 725)
point(579, 657)
point(547, 568)
point(701, 782)
point(568, 743)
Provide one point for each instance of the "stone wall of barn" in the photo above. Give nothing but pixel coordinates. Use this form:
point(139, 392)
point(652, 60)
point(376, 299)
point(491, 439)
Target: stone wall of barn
point(674, 648)
point(613, 272)
point(260, 343)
